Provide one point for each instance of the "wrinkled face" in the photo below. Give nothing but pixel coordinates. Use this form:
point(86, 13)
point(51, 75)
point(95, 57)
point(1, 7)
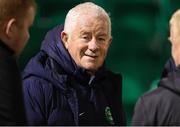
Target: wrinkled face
point(21, 35)
point(89, 42)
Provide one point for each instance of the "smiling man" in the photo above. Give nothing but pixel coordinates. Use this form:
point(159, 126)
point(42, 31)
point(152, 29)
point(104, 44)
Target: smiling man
point(67, 82)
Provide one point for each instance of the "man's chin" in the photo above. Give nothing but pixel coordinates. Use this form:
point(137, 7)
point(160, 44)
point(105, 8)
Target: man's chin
point(90, 67)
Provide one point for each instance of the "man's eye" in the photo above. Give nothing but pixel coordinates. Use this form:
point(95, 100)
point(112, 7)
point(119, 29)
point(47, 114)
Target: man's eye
point(101, 39)
point(85, 37)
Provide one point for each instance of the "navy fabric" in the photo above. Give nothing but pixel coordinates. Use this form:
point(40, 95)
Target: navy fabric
point(54, 87)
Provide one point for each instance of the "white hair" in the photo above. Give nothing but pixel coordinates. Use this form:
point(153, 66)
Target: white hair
point(87, 8)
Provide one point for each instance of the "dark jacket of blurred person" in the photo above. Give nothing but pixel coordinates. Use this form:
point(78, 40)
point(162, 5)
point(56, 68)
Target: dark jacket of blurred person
point(58, 92)
point(11, 106)
point(161, 106)
point(16, 16)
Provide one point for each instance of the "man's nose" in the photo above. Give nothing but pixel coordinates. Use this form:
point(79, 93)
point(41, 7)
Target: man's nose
point(93, 46)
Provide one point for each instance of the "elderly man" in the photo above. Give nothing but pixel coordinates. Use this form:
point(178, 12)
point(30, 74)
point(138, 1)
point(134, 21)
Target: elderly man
point(16, 16)
point(67, 83)
point(161, 106)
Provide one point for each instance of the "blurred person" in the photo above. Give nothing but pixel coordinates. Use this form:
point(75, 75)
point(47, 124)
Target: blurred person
point(16, 16)
point(67, 82)
point(161, 106)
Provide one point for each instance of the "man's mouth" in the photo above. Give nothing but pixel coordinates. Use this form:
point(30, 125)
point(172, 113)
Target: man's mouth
point(91, 55)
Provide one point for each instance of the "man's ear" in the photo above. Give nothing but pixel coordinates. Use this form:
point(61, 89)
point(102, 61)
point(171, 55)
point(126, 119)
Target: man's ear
point(10, 27)
point(64, 37)
point(110, 40)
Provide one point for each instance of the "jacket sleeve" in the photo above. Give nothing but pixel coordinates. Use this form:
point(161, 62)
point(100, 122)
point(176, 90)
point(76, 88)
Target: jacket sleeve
point(140, 114)
point(34, 99)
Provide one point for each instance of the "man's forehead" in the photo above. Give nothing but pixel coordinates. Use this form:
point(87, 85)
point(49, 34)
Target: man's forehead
point(88, 18)
point(87, 24)
point(93, 24)
point(98, 30)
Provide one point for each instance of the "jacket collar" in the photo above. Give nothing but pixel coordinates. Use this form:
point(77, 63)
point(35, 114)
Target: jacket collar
point(170, 66)
point(4, 46)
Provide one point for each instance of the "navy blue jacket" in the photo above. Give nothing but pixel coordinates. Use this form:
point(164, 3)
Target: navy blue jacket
point(161, 106)
point(50, 80)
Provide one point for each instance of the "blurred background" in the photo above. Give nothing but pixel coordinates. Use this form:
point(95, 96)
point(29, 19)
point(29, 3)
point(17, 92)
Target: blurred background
point(140, 47)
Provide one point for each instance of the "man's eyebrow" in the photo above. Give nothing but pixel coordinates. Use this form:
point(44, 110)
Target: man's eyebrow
point(84, 32)
point(102, 34)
